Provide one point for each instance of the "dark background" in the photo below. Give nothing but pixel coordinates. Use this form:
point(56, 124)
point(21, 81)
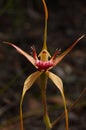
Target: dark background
point(22, 23)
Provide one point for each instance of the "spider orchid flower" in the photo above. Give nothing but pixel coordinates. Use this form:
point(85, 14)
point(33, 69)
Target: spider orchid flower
point(44, 63)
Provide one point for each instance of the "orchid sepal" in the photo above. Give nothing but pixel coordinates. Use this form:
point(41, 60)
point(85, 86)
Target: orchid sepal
point(59, 84)
point(27, 85)
point(61, 56)
point(29, 57)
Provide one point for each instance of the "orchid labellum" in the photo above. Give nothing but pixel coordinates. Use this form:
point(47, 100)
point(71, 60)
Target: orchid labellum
point(44, 62)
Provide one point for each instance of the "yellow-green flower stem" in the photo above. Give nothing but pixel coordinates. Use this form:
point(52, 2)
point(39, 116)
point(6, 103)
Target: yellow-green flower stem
point(43, 93)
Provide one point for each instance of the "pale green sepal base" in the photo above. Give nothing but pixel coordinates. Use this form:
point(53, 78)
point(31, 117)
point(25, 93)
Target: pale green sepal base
point(47, 122)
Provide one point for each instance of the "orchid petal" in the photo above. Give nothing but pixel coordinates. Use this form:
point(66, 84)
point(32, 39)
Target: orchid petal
point(58, 82)
point(27, 84)
point(30, 58)
point(60, 57)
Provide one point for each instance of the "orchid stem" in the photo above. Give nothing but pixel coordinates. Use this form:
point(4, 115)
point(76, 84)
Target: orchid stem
point(43, 93)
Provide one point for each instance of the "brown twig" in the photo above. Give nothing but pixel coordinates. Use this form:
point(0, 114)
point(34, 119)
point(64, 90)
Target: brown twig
point(72, 106)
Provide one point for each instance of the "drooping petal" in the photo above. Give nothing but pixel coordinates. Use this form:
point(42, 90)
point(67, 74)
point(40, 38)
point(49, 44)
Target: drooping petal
point(30, 80)
point(60, 57)
point(28, 83)
point(29, 57)
point(58, 82)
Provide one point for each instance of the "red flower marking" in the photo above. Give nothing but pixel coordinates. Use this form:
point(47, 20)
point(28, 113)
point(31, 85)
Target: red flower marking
point(44, 65)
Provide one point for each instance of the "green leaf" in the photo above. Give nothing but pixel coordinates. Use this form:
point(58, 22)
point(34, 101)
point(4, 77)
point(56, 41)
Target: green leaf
point(60, 57)
point(28, 83)
point(29, 57)
point(58, 82)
